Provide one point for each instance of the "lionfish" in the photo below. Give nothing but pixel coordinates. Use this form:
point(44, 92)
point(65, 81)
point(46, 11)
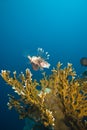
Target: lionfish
point(40, 60)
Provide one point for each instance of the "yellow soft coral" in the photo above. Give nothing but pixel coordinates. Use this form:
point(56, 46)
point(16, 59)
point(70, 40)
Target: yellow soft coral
point(61, 103)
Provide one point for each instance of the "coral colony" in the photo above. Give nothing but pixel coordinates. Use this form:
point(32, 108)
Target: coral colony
point(60, 104)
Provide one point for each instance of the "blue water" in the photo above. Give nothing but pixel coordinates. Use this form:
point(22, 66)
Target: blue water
point(58, 26)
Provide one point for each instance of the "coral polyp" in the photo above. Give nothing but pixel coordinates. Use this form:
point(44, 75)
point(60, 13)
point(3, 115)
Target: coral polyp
point(60, 104)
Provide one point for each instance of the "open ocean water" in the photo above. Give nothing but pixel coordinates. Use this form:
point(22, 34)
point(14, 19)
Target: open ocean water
point(57, 26)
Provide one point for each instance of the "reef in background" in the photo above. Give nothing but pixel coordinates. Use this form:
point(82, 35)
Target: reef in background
point(60, 104)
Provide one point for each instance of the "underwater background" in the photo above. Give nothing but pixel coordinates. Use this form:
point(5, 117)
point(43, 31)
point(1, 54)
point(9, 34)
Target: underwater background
point(57, 26)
